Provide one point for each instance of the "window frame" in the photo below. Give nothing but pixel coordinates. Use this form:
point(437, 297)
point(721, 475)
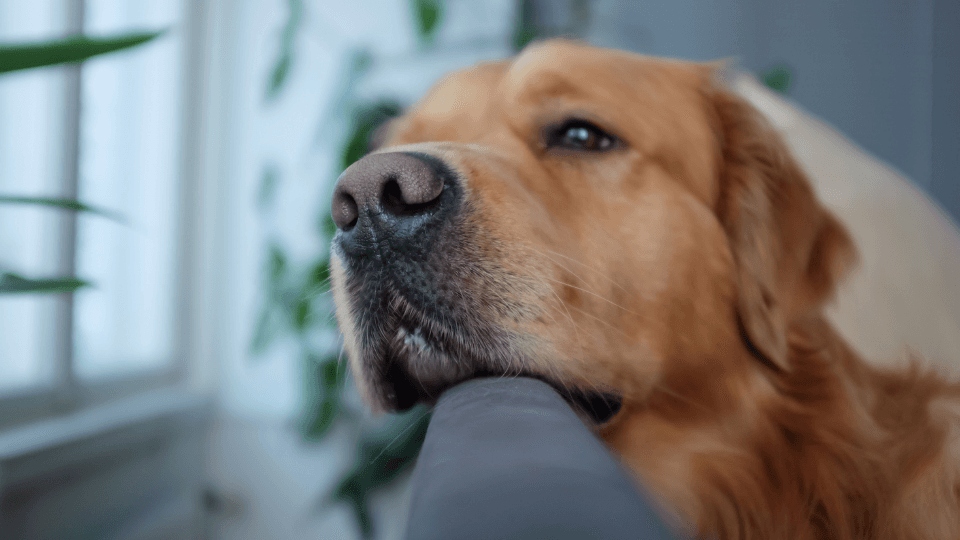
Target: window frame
point(64, 393)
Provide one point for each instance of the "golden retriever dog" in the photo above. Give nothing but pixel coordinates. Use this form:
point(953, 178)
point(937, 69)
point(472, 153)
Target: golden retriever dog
point(631, 232)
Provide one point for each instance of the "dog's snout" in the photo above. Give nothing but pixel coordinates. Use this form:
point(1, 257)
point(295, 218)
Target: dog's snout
point(395, 185)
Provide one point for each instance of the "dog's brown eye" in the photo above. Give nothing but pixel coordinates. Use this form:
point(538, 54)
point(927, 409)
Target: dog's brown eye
point(579, 135)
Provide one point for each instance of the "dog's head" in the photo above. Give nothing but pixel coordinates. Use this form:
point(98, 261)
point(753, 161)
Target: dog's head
point(604, 221)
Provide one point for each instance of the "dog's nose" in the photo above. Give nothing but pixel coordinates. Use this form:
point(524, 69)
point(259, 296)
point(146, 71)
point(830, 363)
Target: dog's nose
point(395, 186)
point(396, 201)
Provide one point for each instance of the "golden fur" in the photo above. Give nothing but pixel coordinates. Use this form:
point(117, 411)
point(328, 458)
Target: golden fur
point(686, 270)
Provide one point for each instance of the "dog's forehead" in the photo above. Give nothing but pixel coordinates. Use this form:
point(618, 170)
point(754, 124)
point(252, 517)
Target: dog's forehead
point(579, 70)
point(465, 89)
point(454, 109)
point(558, 68)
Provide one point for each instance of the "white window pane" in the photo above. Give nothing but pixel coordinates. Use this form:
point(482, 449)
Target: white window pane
point(31, 131)
point(129, 162)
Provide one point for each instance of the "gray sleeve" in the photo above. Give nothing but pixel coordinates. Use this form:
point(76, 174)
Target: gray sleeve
point(509, 459)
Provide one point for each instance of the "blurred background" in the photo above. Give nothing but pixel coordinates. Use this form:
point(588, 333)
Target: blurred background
point(168, 363)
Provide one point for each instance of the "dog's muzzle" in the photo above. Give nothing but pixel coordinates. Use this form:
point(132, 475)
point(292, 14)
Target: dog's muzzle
point(400, 244)
point(409, 261)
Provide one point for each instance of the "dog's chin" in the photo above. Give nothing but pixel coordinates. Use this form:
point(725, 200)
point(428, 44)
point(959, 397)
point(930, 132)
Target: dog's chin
point(419, 368)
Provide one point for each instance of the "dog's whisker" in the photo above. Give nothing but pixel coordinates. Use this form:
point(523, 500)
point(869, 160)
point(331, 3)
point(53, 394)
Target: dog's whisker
point(607, 300)
point(601, 321)
point(322, 283)
point(402, 432)
point(576, 327)
point(584, 281)
point(670, 392)
point(341, 365)
point(554, 261)
point(594, 271)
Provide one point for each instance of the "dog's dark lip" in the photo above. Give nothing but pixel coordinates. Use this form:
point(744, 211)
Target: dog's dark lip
point(598, 405)
point(405, 390)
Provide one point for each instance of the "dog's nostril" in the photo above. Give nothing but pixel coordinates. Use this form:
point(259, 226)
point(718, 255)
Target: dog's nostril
point(396, 202)
point(392, 198)
point(345, 211)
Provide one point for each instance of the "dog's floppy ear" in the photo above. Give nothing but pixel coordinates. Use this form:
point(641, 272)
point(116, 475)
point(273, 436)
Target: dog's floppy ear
point(790, 252)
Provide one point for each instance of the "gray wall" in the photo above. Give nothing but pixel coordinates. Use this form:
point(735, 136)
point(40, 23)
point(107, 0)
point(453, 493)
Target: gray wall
point(945, 178)
point(884, 72)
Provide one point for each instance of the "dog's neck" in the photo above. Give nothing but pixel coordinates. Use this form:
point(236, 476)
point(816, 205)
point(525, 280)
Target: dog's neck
point(814, 452)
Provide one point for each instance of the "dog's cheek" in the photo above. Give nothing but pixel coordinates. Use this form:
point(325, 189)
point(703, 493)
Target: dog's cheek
point(684, 286)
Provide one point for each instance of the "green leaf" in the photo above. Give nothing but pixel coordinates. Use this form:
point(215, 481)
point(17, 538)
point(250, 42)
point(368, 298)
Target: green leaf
point(266, 328)
point(15, 284)
point(328, 226)
point(268, 186)
point(66, 204)
point(277, 266)
point(67, 51)
point(281, 67)
point(321, 419)
point(381, 458)
point(319, 277)
point(355, 149)
point(301, 314)
point(523, 37)
point(427, 14)
point(525, 31)
point(270, 320)
point(354, 494)
point(323, 394)
point(332, 374)
point(778, 78)
point(360, 62)
point(278, 75)
point(366, 119)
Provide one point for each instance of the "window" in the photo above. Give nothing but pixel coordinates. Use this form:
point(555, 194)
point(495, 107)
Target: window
point(109, 133)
